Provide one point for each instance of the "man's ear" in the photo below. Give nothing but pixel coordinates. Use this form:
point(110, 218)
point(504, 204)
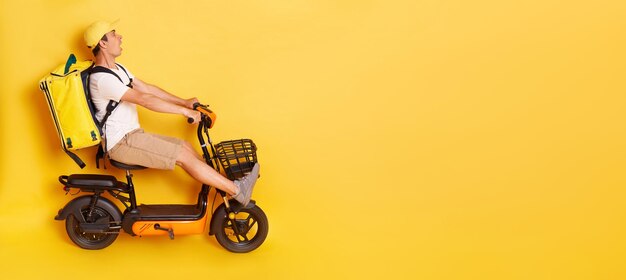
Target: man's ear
point(102, 44)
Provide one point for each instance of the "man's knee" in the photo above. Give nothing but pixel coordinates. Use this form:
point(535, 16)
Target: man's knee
point(188, 145)
point(185, 157)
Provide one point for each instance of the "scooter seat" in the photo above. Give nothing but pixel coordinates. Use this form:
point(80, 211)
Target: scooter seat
point(126, 166)
point(92, 180)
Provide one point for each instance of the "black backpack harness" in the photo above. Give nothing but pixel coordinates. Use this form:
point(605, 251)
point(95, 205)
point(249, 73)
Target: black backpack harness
point(109, 109)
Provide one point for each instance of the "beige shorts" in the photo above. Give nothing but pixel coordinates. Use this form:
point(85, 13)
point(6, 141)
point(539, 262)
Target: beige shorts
point(147, 149)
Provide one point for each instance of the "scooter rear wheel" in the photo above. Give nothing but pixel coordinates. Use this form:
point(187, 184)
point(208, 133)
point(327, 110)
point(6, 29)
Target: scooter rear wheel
point(90, 241)
point(243, 234)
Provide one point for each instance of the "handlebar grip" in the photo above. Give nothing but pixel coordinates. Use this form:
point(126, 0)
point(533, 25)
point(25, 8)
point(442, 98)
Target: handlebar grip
point(195, 106)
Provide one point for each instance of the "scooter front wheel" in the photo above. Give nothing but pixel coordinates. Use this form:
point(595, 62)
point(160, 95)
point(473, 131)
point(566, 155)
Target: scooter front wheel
point(89, 239)
point(244, 232)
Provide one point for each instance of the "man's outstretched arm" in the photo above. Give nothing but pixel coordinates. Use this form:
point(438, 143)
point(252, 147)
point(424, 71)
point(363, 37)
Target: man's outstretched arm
point(162, 94)
point(155, 103)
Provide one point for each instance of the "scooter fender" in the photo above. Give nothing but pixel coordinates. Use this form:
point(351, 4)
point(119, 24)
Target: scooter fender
point(235, 206)
point(74, 207)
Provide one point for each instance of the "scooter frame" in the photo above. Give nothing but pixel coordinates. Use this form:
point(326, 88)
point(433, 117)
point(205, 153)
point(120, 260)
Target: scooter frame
point(94, 221)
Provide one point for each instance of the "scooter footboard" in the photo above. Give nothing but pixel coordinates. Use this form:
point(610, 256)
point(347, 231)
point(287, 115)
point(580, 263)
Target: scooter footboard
point(92, 182)
point(148, 228)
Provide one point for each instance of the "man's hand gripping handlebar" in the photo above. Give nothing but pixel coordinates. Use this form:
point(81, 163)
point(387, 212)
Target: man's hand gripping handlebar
point(207, 114)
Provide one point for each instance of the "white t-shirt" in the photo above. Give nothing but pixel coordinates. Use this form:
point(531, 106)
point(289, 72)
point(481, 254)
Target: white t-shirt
point(124, 119)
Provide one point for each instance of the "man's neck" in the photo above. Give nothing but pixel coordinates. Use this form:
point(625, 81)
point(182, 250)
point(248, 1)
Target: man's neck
point(106, 60)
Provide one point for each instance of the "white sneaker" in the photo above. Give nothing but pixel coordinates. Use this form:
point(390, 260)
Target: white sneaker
point(246, 184)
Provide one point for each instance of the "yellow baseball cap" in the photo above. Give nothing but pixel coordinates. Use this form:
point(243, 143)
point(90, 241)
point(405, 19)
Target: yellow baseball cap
point(96, 30)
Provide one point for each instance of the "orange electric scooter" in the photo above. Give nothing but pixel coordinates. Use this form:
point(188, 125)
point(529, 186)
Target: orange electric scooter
point(93, 221)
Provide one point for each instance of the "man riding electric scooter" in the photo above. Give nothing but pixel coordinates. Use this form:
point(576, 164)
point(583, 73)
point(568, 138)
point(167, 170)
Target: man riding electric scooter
point(116, 92)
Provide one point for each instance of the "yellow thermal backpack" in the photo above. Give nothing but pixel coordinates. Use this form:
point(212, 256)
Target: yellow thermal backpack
point(67, 91)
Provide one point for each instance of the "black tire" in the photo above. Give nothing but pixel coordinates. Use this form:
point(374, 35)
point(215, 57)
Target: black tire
point(252, 224)
point(91, 241)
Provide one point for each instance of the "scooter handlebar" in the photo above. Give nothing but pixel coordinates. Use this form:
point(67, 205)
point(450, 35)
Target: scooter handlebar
point(195, 107)
point(204, 109)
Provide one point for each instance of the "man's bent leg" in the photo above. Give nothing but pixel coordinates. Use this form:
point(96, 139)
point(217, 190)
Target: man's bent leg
point(202, 172)
point(187, 145)
point(147, 149)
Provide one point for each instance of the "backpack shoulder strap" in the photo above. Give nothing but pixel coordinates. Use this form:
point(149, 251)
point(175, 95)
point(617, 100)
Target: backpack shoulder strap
point(112, 104)
point(126, 72)
point(102, 69)
point(110, 107)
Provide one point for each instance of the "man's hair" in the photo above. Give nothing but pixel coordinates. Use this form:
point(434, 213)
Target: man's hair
point(96, 49)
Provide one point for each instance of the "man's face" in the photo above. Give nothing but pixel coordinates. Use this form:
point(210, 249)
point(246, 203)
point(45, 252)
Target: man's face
point(113, 43)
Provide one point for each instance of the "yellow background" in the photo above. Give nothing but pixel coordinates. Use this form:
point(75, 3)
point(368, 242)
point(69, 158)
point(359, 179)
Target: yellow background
point(406, 139)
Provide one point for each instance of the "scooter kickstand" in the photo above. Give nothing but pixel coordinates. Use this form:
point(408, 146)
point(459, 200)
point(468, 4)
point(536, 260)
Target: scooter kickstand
point(170, 231)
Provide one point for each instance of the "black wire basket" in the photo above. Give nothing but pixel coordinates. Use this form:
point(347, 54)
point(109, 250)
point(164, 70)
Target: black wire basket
point(237, 157)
